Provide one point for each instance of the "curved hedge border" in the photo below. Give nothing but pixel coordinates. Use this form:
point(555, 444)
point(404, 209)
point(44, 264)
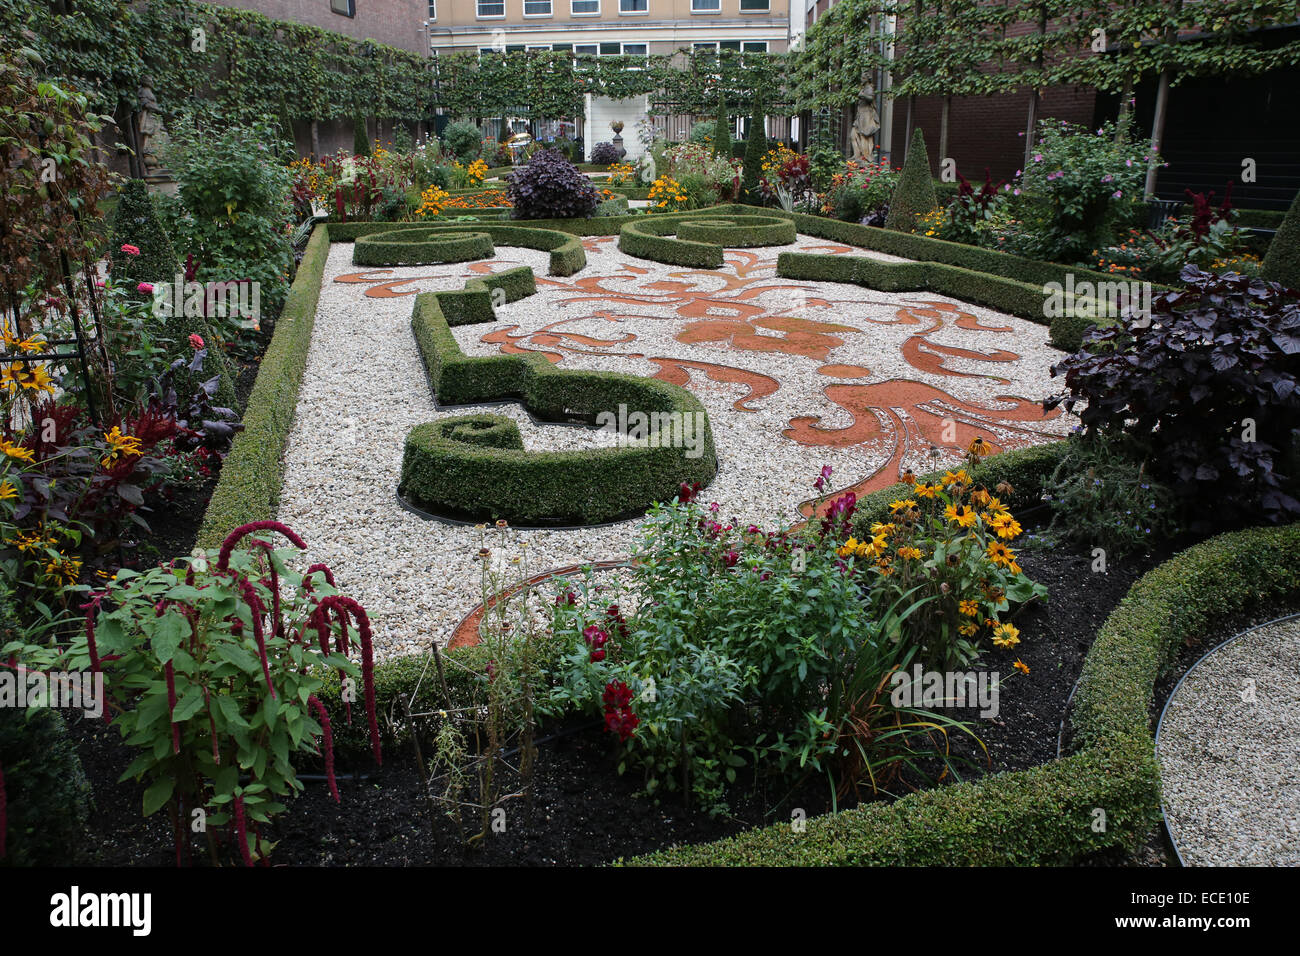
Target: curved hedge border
point(567, 253)
point(739, 232)
point(417, 247)
point(253, 472)
point(1045, 815)
point(447, 474)
point(652, 238)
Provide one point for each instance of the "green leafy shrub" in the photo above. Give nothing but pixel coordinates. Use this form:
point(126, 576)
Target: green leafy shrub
point(744, 642)
point(861, 189)
point(1074, 181)
point(1282, 261)
point(234, 199)
point(755, 148)
point(722, 128)
point(1102, 495)
point(212, 667)
point(914, 195)
point(463, 140)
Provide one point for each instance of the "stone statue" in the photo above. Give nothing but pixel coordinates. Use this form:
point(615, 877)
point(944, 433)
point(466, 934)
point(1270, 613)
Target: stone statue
point(866, 123)
point(151, 130)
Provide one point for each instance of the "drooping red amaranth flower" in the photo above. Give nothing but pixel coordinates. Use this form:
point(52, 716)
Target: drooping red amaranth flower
point(327, 742)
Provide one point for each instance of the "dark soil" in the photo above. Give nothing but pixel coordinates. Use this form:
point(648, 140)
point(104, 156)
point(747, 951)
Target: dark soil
point(582, 812)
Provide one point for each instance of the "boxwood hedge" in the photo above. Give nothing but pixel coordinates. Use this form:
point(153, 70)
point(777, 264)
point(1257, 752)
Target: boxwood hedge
point(433, 244)
point(447, 473)
point(567, 253)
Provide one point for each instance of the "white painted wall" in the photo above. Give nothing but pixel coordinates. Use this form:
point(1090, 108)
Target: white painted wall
point(602, 111)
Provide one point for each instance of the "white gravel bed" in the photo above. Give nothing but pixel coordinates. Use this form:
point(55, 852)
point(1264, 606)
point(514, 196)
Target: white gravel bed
point(1229, 753)
point(364, 388)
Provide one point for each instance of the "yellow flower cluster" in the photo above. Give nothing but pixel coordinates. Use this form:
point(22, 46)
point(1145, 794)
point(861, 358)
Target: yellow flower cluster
point(432, 201)
point(931, 223)
point(620, 174)
point(667, 193)
point(120, 446)
point(959, 536)
point(477, 172)
point(775, 158)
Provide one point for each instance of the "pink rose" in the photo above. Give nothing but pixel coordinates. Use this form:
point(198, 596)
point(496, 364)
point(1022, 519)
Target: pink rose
point(145, 287)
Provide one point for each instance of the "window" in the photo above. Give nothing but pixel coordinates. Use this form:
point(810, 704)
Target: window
point(537, 8)
point(706, 6)
point(587, 49)
point(755, 6)
point(345, 8)
point(539, 46)
point(633, 6)
point(491, 9)
point(433, 9)
point(610, 49)
point(635, 49)
point(584, 8)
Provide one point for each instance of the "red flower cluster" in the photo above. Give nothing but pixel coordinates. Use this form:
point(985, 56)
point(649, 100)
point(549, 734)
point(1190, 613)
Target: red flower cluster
point(596, 639)
point(619, 718)
point(562, 599)
point(617, 621)
point(688, 493)
point(840, 514)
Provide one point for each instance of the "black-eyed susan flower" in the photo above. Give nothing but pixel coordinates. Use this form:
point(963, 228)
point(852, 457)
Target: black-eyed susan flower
point(8, 490)
point(22, 376)
point(903, 504)
point(1021, 666)
point(17, 451)
point(979, 447)
point(968, 607)
point(120, 446)
point(1000, 554)
point(909, 553)
point(961, 515)
point(1006, 635)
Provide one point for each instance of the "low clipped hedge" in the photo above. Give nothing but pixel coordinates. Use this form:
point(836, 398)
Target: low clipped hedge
point(740, 232)
point(47, 798)
point(253, 472)
point(567, 254)
point(698, 238)
point(652, 238)
point(1046, 815)
point(1006, 295)
point(484, 471)
point(415, 247)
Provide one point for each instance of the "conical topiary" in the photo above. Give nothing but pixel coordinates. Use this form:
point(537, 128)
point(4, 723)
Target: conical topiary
point(1282, 261)
point(755, 147)
point(722, 128)
point(914, 195)
point(135, 224)
point(360, 141)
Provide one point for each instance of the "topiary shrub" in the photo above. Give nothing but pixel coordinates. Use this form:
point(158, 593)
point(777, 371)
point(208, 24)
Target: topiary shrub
point(604, 154)
point(360, 140)
point(755, 146)
point(914, 195)
point(1282, 262)
point(550, 187)
point(43, 789)
point(136, 227)
point(463, 139)
point(722, 129)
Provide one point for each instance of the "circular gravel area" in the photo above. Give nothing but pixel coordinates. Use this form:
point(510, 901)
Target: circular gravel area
point(1229, 751)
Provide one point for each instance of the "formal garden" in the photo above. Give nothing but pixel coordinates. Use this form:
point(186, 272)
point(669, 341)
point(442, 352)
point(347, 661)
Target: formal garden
point(446, 501)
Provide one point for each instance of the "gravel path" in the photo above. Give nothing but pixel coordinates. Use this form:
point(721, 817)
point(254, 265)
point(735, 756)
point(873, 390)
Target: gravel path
point(1229, 752)
point(364, 388)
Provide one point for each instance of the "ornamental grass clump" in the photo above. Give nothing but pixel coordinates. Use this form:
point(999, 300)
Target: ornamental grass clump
point(211, 668)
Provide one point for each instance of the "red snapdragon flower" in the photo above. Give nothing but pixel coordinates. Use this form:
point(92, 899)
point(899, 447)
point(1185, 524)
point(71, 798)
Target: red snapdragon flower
point(688, 493)
point(196, 342)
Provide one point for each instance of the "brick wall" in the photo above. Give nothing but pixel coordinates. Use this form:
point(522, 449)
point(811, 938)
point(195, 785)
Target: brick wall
point(396, 23)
